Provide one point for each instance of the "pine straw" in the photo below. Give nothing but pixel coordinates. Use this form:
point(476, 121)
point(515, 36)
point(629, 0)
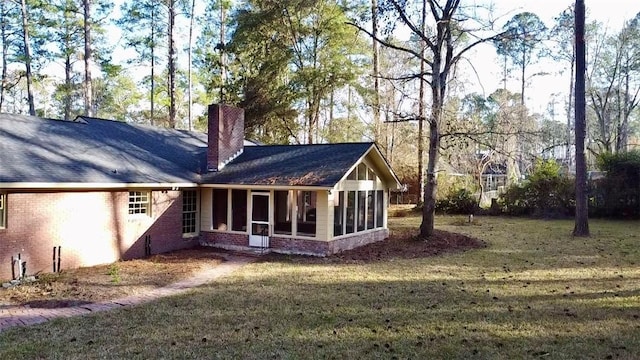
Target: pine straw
point(112, 281)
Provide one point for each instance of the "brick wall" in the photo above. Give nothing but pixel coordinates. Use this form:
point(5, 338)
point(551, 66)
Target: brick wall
point(284, 245)
point(225, 134)
point(90, 227)
point(230, 240)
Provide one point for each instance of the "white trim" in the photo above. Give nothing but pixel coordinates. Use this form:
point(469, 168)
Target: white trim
point(266, 187)
point(85, 186)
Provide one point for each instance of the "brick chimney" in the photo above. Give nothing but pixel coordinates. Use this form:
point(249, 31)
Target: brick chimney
point(225, 135)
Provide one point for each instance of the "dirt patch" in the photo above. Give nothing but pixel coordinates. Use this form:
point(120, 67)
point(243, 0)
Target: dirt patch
point(106, 282)
point(407, 245)
point(401, 244)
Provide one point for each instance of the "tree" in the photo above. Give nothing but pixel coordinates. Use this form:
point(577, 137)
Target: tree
point(614, 86)
point(563, 35)
point(522, 35)
point(143, 25)
point(304, 48)
point(581, 227)
point(450, 26)
point(27, 55)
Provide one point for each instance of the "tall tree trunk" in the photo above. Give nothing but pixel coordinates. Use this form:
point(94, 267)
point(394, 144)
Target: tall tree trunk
point(67, 86)
point(193, 5)
point(581, 227)
point(222, 45)
point(570, 111)
point(172, 65)
point(88, 88)
point(27, 57)
point(421, 111)
point(5, 50)
point(376, 72)
point(153, 66)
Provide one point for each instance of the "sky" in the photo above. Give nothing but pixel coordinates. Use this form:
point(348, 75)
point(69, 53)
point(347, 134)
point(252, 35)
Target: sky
point(540, 91)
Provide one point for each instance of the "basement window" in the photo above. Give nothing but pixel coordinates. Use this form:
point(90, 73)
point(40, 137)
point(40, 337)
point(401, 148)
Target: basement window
point(139, 203)
point(3, 212)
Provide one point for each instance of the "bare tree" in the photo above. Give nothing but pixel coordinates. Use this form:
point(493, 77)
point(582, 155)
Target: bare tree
point(449, 26)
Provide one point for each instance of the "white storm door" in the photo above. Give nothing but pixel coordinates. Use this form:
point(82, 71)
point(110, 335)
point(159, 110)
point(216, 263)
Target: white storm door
point(260, 229)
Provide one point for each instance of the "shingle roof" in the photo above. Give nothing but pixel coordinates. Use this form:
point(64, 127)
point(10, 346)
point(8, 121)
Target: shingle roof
point(98, 151)
point(89, 150)
point(321, 165)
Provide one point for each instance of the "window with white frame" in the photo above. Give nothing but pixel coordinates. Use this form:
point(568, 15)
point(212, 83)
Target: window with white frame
point(139, 203)
point(3, 210)
point(189, 211)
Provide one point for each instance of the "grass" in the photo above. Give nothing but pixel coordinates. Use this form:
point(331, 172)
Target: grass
point(533, 292)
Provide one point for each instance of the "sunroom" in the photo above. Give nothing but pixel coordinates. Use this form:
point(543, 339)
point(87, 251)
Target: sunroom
point(312, 199)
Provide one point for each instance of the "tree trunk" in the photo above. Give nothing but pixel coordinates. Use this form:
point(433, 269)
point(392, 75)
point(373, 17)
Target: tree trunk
point(172, 65)
point(581, 227)
point(88, 89)
point(27, 57)
point(67, 86)
point(569, 112)
point(5, 50)
point(153, 66)
point(193, 5)
point(421, 111)
point(376, 73)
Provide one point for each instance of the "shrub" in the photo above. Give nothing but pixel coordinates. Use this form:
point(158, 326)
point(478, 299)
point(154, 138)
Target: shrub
point(618, 193)
point(546, 193)
point(457, 201)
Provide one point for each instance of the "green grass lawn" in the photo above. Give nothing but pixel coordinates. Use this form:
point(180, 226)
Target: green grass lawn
point(533, 292)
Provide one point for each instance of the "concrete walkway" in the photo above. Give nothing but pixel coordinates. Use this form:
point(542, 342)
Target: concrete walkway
point(24, 316)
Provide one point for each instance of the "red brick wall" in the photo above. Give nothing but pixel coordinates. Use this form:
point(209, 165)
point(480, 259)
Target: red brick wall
point(91, 228)
point(225, 134)
point(296, 246)
point(225, 239)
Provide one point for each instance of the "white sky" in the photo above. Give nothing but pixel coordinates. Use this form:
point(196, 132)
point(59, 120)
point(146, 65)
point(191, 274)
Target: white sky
point(612, 13)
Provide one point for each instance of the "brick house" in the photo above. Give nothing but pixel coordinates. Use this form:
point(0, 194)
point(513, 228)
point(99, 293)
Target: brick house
point(94, 191)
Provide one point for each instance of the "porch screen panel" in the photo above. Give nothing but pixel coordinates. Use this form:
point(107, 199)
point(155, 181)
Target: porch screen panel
point(370, 209)
point(220, 208)
point(338, 214)
point(239, 210)
point(362, 200)
point(380, 208)
point(306, 214)
point(351, 213)
point(283, 201)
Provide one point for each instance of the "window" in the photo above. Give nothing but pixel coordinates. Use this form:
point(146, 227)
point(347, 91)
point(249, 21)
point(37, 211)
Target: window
point(189, 211)
point(352, 175)
point(362, 172)
point(139, 203)
point(370, 209)
point(380, 208)
point(3, 212)
point(283, 201)
point(351, 211)
point(220, 208)
point(362, 198)
point(306, 214)
point(239, 210)
point(338, 214)
point(371, 175)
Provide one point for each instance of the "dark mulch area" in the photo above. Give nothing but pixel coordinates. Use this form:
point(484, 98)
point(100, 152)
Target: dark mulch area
point(400, 245)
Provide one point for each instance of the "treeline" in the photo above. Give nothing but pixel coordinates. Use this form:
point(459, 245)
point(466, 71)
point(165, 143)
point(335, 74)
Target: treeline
point(309, 71)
